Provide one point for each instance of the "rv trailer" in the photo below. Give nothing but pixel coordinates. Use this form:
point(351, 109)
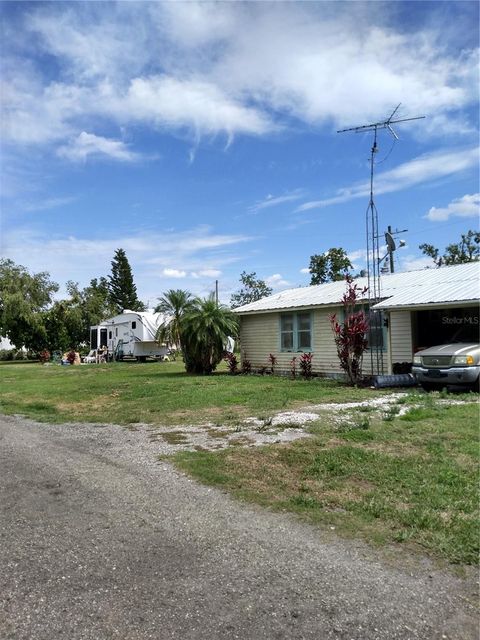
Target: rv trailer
point(130, 334)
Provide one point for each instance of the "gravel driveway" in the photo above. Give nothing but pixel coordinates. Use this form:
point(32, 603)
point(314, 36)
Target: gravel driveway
point(100, 540)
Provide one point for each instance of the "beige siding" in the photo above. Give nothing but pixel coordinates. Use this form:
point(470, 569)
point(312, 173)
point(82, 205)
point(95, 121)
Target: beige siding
point(401, 336)
point(259, 336)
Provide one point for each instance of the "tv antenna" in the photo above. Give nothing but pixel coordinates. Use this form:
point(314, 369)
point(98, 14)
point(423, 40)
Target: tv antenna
point(373, 244)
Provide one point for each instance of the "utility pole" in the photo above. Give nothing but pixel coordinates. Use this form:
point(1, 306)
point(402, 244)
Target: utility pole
point(372, 235)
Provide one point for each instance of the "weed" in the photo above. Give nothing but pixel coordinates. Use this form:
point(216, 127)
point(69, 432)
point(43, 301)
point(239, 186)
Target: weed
point(174, 437)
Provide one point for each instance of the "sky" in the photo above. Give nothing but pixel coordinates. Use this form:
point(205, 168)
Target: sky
point(202, 137)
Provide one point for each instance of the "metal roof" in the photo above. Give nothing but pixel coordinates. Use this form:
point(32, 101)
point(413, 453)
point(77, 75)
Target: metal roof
point(455, 283)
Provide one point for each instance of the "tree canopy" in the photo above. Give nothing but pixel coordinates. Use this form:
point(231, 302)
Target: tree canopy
point(175, 303)
point(329, 266)
point(205, 329)
point(122, 289)
point(467, 250)
point(24, 297)
point(253, 289)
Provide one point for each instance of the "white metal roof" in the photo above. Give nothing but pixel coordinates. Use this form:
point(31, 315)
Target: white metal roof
point(456, 283)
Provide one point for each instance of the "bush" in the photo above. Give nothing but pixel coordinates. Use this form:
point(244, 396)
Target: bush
point(44, 356)
point(232, 363)
point(306, 365)
point(246, 366)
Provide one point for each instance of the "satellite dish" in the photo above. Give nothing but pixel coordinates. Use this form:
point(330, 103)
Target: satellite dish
point(390, 242)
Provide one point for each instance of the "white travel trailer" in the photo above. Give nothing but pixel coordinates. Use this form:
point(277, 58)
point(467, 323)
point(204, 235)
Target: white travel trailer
point(131, 334)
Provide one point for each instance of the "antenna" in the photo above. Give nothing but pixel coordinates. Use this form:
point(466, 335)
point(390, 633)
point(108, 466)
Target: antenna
point(371, 218)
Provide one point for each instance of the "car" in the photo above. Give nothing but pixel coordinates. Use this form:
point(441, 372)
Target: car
point(457, 363)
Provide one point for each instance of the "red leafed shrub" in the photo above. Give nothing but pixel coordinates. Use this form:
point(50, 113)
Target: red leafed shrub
point(232, 363)
point(246, 366)
point(293, 368)
point(71, 356)
point(306, 365)
point(273, 361)
point(44, 356)
point(351, 335)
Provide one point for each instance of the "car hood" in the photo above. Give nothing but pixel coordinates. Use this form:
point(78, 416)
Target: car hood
point(453, 349)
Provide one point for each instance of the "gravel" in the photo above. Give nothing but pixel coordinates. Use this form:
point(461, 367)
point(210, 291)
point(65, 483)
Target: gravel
point(100, 539)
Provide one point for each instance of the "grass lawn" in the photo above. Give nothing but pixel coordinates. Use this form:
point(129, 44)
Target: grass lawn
point(377, 474)
point(410, 479)
point(156, 393)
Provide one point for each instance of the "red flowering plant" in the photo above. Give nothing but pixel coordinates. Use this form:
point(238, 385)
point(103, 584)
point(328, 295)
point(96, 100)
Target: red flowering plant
point(351, 335)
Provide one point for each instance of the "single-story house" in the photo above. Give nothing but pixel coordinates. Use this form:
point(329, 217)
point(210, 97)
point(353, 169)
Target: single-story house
point(418, 309)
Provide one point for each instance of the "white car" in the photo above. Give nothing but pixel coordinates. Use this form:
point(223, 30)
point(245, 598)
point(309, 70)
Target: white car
point(457, 363)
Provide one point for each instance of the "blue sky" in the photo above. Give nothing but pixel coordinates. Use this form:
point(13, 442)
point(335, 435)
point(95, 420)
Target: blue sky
point(201, 138)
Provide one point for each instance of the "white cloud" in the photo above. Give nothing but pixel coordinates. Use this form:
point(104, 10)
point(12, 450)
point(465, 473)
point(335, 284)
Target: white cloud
point(229, 68)
point(425, 168)
point(174, 273)
point(466, 207)
point(276, 281)
point(305, 270)
point(48, 203)
point(88, 144)
point(151, 255)
point(415, 263)
point(210, 273)
point(274, 201)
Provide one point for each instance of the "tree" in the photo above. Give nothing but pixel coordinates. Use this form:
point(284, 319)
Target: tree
point(329, 266)
point(253, 290)
point(351, 335)
point(23, 299)
point(175, 303)
point(122, 290)
point(205, 329)
point(467, 250)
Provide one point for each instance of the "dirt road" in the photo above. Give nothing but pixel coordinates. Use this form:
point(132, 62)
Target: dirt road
point(99, 540)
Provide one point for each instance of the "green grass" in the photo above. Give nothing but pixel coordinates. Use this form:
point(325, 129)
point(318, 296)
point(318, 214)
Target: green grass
point(410, 480)
point(156, 393)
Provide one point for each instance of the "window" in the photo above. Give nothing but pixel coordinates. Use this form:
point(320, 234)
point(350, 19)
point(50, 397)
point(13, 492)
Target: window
point(109, 335)
point(377, 329)
point(296, 332)
point(134, 325)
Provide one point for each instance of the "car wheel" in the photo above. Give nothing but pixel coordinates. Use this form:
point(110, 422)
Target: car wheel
point(475, 386)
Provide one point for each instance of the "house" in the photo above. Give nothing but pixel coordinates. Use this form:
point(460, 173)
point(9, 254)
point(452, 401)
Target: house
point(418, 309)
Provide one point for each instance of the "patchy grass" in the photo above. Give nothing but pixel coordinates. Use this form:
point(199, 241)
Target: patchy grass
point(410, 480)
point(156, 393)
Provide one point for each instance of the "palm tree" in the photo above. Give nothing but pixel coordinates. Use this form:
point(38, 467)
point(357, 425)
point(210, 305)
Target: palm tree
point(175, 303)
point(205, 329)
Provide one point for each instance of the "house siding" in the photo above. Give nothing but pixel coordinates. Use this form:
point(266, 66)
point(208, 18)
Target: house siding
point(260, 336)
point(401, 336)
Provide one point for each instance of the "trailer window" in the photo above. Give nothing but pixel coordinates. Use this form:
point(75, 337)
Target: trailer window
point(134, 325)
point(109, 335)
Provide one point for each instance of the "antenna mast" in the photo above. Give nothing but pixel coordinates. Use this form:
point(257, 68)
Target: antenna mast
point(372, 235)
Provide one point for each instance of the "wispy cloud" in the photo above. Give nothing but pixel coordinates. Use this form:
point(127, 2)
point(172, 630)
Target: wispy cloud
point(274, 201)
point(89, 144)
point(425, 168)
point(466, 207)
point(158, 64)
point(198, 251)
point(48, 203)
